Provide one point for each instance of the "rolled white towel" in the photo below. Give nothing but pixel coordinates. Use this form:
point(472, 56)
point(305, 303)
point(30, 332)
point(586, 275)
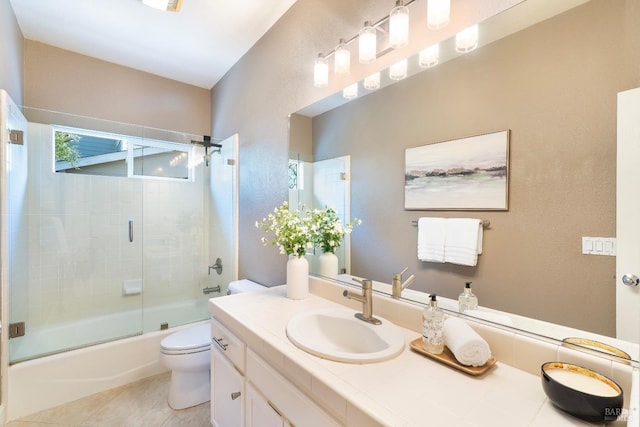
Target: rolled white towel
point(466, 345)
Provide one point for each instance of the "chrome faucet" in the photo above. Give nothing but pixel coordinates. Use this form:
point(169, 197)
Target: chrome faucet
point(366, 299)
point(397, 286)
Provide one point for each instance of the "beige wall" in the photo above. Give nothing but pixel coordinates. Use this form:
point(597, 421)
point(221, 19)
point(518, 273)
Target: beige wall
point(274, 79)
point(555, 86)
point(562, 161)
point(11, 47)
point(60, 80)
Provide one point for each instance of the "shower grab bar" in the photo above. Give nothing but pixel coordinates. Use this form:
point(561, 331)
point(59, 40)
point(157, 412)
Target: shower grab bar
point(131, 230)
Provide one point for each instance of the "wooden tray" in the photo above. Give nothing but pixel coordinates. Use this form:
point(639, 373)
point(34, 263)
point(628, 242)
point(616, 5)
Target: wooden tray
point(448, 358)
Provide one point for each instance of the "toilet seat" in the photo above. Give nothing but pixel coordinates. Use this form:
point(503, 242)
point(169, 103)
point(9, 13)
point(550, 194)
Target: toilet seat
point(190, 340)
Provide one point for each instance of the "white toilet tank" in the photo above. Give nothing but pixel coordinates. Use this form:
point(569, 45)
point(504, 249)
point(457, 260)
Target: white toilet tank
point(243, 285)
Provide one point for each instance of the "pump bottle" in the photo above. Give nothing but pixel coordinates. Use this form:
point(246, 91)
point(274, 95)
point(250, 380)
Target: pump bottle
point(467, 300)
point(432, 327)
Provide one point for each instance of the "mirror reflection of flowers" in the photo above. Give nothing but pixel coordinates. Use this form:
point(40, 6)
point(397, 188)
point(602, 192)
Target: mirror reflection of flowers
point(328, 229)
point(291, 231)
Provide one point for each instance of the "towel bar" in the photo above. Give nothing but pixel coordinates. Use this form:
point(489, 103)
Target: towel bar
point(485, 223)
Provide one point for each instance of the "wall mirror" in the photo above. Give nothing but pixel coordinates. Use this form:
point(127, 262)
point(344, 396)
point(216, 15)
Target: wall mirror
point(553, 83)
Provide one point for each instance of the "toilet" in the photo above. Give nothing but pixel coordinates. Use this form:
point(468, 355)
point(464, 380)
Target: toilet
point(187, 353)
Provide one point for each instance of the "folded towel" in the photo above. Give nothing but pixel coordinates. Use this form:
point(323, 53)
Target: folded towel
point(466, 345)
point(431, 239)
point(463, 242)
point(490, 316)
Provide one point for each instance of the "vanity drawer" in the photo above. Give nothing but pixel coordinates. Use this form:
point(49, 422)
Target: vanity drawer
point(229, 345)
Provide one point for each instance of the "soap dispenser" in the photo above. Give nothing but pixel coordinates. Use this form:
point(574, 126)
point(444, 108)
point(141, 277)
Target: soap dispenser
point(433, 327)
point(467, 300)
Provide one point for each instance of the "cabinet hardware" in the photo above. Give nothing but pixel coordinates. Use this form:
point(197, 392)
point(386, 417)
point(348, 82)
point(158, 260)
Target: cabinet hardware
point(222, 345)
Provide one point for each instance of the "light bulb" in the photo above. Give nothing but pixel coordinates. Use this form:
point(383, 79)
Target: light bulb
point(321, 71)
point(372, 82)
point(430, 56)
point(367, 41)
point(399, 25)
point(467, 39)
point(438, 12)
point(342, 58)
point(398, 71)
point(350, 91)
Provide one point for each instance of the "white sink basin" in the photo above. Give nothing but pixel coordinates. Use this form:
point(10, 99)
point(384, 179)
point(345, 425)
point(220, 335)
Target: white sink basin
point(336, 334)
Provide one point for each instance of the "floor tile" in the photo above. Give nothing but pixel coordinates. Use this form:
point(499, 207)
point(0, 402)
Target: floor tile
point(143, 404)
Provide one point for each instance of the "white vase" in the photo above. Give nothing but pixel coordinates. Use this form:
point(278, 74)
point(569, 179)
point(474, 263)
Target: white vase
point(328, 265)
point(297, 277)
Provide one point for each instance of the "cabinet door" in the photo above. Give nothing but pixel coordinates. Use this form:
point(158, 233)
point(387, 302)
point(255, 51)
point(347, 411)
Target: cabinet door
point(227, 392)
point(259, 413)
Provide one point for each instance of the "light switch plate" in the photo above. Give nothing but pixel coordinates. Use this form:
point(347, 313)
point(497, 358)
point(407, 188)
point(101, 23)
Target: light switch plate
point(599, 246)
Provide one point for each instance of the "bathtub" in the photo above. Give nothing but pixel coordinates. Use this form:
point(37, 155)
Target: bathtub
point(45, 382)
point(98, 329)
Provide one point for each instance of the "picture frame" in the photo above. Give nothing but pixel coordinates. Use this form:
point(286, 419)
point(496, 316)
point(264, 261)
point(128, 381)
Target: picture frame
point(470, 173)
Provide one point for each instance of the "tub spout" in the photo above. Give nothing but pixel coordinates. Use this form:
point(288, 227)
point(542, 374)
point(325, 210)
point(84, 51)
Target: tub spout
point(211, 289)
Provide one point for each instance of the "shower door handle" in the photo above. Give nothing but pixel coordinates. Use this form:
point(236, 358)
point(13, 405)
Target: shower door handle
point(131, 230)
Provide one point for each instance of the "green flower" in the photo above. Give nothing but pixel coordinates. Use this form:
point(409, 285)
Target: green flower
point(292, 233)
point(328, 229)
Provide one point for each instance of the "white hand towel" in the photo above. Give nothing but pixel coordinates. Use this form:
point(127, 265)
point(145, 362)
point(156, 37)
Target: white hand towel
point(431, 239)
point(466, 345)
point(463, 241)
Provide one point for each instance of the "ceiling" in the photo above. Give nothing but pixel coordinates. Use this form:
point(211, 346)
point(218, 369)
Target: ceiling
point(197, 45)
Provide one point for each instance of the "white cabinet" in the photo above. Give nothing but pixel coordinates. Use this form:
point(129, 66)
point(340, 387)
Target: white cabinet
point(247, 391)
point(296, 408)
point(227, 392)
point(227, 380)
point(259, 413)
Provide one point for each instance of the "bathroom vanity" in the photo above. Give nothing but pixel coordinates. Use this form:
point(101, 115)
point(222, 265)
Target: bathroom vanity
point(260, 378)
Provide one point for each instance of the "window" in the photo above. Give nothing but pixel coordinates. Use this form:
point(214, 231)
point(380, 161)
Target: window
point(87, 152)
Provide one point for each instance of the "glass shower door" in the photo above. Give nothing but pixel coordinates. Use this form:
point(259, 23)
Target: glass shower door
point(81, 233)
point(173, 171)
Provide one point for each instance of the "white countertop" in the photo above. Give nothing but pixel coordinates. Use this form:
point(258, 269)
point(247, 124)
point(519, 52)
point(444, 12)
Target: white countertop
point(409, 390)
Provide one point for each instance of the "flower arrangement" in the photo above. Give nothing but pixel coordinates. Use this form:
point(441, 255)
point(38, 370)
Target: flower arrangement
point(292, 233)
point(328, 229)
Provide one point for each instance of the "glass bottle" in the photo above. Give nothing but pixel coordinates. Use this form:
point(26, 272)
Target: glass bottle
point(467, 300)
point(433, 327)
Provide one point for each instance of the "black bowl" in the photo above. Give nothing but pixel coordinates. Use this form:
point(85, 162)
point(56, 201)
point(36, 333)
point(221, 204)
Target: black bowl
point(601, 405)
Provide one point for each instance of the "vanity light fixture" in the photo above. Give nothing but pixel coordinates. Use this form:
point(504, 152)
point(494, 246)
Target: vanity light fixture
point(398, 71)
point(372, 82)
point(342, 58)
point(467, 39)
point(429, 57)
point(367, 43)
point(166, 5)
point(350, 91)
point(399, 25)
point(438, 12)
point(321, 71)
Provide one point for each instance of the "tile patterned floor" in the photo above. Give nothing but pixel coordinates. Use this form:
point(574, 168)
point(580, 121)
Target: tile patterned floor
point(140, 404)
